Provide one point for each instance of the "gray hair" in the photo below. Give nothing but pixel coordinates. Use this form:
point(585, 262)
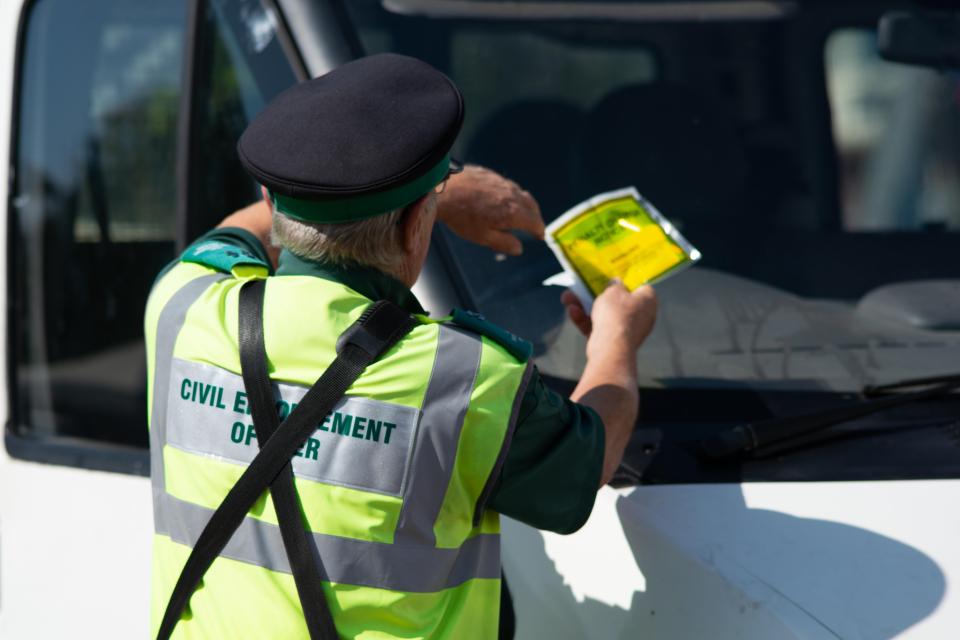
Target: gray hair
point(373, 242)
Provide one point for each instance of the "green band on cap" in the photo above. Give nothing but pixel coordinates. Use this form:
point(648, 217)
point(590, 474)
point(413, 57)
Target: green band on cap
point(363, 206)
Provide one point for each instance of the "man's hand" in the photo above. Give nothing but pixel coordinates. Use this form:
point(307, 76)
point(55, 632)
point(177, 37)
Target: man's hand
point(618, 324)
point(482, 206)
point(623, 318)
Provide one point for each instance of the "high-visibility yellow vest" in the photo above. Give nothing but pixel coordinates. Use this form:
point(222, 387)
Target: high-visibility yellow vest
point(393, 483)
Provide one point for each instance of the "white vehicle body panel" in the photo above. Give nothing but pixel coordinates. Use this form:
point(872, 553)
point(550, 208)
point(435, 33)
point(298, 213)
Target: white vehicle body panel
point(864, 560)
point(852, 560)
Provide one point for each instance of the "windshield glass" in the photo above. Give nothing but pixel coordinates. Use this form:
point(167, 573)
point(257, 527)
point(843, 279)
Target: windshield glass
point(821, 183)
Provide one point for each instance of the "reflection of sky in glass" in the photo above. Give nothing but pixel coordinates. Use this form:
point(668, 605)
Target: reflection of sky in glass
point(134, 62)
point(262, 27)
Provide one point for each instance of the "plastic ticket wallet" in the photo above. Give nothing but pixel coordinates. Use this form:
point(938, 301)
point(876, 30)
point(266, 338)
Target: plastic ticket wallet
point(617, 234)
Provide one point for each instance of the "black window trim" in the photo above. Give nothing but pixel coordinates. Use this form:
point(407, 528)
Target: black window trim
point(187, 124)
point(66, 450)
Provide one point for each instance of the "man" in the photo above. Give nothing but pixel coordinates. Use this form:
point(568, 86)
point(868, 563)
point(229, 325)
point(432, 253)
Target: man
point(401, 484)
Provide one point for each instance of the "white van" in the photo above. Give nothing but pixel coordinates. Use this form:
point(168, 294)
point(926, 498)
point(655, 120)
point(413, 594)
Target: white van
point(820, 181)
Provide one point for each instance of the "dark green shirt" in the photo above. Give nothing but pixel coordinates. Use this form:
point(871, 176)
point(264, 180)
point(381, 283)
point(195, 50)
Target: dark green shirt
point(552, 470)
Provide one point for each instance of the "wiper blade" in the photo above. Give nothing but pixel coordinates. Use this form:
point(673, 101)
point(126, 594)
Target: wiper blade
point(755, 437)
point(872, 390)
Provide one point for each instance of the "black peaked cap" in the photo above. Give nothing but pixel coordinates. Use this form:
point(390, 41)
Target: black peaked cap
point(367, 126)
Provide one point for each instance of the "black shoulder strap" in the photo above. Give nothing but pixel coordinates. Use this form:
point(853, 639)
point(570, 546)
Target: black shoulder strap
point(256, 380)
point(378, 329)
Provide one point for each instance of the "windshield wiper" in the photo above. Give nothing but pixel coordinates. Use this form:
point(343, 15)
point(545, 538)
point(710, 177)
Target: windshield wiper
point(761, 437)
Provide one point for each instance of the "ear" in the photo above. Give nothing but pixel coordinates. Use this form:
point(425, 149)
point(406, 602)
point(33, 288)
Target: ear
point(412, 224)
point(265, 193)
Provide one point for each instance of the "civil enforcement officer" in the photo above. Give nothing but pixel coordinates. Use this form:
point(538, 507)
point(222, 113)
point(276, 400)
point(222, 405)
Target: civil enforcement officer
point(400, 485)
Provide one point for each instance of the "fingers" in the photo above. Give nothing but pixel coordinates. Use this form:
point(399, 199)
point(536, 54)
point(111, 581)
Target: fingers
point(568, 298)
point(516, 210)
point(483, 207)
point(645, 295)
point(526, 214)
point(644, 291)
point(503, 242)
point(616, 283)
point(615, 289)
point(575, 310)
point(581, 320)
point(522, 213)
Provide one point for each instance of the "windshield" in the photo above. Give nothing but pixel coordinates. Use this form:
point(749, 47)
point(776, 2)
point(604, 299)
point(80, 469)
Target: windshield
point(821, 183)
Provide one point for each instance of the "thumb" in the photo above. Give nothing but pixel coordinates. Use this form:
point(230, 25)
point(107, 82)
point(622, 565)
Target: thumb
point(616, 283)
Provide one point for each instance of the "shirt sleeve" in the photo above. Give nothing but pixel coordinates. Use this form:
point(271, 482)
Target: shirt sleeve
point(552, 470)
point(235, 237)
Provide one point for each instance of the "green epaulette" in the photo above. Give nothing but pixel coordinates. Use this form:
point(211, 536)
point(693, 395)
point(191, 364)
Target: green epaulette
point(221, 256)
point(518, 347)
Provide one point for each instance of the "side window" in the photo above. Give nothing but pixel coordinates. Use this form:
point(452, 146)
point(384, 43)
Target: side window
point(94, 204)
point(897, 130)
point(93, 211)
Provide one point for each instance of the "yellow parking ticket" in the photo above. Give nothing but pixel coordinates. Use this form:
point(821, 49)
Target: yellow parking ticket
point(618, 234)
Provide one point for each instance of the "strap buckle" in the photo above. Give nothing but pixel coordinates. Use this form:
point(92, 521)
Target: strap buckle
point(375, 330)
point(359, 336)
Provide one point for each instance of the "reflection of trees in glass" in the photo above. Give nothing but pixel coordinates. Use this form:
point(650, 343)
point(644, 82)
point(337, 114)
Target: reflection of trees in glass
point(137, 154)
point(131, 130)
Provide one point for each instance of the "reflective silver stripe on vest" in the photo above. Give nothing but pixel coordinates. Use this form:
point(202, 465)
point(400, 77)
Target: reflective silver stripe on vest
point(444, 408)
point(168, 328)
point(363, 443)
point(345, 560)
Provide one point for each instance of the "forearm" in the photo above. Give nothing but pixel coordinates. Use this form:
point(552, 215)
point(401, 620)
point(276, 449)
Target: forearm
point(609, 387)
point(255, 218)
